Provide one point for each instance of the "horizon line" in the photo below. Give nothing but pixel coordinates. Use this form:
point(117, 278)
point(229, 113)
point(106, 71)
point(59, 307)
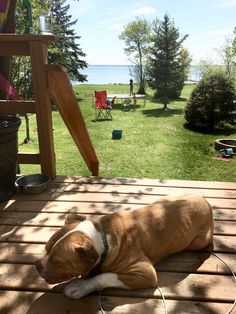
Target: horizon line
point(100, 64)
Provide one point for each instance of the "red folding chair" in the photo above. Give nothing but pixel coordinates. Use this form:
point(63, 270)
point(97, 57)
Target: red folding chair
point(103, 106)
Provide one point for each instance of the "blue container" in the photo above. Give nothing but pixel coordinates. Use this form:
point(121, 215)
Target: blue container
point(116, 134)
point(229, 151)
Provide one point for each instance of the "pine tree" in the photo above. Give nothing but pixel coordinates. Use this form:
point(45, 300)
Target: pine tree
point(168, 63)
point(66, 51)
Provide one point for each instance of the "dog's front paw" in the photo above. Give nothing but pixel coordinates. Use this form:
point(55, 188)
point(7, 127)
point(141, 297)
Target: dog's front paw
point(77, 289)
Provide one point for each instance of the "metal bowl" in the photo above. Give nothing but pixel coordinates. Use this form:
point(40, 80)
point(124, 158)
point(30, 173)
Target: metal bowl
point(32, 183)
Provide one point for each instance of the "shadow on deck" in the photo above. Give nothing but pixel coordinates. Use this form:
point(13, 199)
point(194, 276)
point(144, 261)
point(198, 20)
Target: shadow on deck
point(192, 282)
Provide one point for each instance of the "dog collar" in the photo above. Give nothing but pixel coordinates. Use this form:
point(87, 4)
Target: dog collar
point(105, 244)
point(97, 269)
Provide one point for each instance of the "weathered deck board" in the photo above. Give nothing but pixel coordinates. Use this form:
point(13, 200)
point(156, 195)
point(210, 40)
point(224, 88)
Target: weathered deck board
point(48, 303)
point(41, 235)
point(33, 205)
point(119, 198)
point(173, 284)
point(139, 189)
point(228, 217)
point(192, 282)
point(147, 182)
point(191, 262)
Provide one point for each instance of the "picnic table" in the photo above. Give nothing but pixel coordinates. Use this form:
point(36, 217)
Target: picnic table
point(128, 99)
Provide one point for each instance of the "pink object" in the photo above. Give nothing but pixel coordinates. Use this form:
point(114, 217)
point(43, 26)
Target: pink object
point(3, 5)
point(8, 88)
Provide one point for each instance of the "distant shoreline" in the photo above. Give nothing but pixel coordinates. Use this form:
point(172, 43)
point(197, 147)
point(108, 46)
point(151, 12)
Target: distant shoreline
point(120, 74)
point(110, 65)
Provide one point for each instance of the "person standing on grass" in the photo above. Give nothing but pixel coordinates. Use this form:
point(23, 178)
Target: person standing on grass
point(131, 87)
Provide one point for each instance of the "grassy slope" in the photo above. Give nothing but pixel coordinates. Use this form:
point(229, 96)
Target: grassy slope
point(155, 143)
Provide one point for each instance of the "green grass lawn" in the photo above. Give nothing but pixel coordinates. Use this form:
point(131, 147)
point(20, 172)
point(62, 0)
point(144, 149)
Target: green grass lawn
point(155, 143)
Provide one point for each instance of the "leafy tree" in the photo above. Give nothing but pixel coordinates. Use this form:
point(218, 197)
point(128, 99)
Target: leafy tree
point(227, 55)
point(168, 62)
point(234, 43)
point(212, 101)
point(21, 66)
point(136, 37)
point(234, 52)
point(66, 51)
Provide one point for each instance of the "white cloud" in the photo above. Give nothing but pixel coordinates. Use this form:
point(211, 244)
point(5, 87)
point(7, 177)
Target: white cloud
point(80, 7)
point(116, 26)
point(144, 10)
point(216, 34)
point(206, 45)
point(220, 4)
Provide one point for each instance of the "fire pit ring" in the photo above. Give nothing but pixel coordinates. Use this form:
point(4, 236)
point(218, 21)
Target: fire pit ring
point(225, 143)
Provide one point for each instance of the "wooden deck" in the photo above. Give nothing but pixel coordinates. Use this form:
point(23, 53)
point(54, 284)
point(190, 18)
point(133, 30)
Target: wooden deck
point(192, 282)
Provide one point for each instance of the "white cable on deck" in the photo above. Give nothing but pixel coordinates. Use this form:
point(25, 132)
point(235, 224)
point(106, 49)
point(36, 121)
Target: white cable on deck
point(163, 297)
point(100, 303)
point(164, 300)
point(234, 277)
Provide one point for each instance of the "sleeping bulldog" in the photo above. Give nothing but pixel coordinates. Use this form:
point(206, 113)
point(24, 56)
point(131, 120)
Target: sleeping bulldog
point(120, 249)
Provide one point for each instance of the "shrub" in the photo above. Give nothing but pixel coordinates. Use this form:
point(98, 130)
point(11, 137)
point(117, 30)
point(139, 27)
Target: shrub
point(211, 103)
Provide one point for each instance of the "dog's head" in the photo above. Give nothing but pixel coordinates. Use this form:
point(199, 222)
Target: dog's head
point(69, 253)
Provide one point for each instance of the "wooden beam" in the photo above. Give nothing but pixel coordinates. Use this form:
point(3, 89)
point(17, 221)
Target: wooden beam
point(28, 158)
point(19, 106)
point(62, 93)
point(10, 49)
point(18, 45)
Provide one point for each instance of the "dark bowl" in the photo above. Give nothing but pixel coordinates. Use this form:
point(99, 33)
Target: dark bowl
point(32, 183)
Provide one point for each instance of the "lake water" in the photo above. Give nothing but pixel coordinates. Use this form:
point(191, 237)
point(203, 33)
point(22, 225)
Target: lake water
point(105, 74)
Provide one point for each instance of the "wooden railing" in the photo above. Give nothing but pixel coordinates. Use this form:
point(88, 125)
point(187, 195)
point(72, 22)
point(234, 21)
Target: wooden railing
point(36, 47)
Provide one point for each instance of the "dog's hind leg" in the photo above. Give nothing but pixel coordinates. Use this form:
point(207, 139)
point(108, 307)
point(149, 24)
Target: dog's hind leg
point(203, 239)
point(140, 276)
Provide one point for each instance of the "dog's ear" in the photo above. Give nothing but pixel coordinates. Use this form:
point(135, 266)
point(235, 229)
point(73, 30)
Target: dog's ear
point(87, 254)
point(56, 236)
point(73, 217)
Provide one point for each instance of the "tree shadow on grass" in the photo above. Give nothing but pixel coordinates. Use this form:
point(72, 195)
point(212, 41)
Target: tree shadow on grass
point(130, 107)
point(158, 101)
point(217, 132)
point(162, 113)
point(180, 99)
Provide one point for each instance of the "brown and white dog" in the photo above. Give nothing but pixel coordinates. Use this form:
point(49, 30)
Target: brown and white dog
point(120, 249)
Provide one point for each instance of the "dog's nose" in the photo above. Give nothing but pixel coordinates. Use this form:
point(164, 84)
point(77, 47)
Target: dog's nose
point(39, 266)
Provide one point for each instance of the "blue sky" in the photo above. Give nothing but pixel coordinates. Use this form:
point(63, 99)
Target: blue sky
point(208, 22)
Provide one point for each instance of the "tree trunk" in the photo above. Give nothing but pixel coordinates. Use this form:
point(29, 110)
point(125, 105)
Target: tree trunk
point(141, 89)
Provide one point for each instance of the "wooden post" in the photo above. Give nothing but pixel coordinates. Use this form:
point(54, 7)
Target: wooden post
point(38, 52)
point(34, 46)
